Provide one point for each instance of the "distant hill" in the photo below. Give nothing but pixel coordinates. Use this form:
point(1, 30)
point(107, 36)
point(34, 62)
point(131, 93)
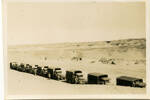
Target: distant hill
point(141, 43)
point(126, 50)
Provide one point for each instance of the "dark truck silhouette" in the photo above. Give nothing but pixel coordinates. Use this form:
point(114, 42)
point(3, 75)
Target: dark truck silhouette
point(39, 71)
point(21, 67)
point(98, 78)
point(130, 81)
point(75, 77)
point(55, 73)
point(13, 65)
point(34, 69)
point(28, 68)
point(45, 72)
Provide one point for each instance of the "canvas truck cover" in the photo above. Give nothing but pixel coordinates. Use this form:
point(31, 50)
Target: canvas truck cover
point(98, 74)
point(127, 78)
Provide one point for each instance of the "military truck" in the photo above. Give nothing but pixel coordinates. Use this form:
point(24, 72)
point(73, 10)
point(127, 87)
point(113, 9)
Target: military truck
point(55, 73)
point(13, 65)
point(45, 72)
point(130, 81)
point(28, 68)
point(34, 69)
point(39, 71)
point(74, 77)
point(98, 78)
point(31, 70)
point(21, 67)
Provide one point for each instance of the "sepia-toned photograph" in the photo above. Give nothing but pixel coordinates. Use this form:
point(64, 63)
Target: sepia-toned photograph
point(72, 49)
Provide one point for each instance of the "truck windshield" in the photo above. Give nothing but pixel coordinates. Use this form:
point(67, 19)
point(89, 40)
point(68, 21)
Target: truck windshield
point(140, 80)
point(46, 67)
point(57, 68)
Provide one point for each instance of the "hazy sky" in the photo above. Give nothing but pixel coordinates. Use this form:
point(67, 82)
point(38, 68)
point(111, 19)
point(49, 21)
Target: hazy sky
point(47, 22)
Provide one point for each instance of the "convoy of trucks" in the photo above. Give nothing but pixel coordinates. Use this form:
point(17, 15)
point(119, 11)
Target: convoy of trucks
point(76, 76)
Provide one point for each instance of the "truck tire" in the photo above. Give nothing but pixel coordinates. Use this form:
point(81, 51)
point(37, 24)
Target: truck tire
point(34, 71)
point(81, 82)
point(133, 85)
point(58, 77)
point(49, 75)
point(67, 80)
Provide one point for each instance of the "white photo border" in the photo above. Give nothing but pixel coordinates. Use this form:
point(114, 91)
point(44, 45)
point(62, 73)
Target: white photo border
point(118, 96)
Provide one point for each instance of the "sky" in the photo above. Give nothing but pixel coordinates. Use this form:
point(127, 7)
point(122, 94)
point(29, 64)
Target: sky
point(56, 22)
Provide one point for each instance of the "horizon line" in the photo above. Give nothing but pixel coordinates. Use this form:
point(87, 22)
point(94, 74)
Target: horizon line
point(72, 42)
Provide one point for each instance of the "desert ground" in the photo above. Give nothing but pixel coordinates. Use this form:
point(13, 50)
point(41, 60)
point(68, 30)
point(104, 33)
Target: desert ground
point(115, 58)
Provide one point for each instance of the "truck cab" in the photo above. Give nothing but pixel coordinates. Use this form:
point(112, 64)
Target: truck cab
point(58, 74)
point(139, 83)
point(28, 67)
point(13, 65)
point(39, 71)
point(45, 71)
point(21, 67)
point(34, 69)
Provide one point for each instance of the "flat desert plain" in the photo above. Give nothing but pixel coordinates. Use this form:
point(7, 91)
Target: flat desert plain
point(115, 58)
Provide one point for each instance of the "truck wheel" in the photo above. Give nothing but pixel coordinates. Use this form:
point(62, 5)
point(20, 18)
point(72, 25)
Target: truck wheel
point(81, 82)
point(49, 75)
point(133, 85)
point(58, 77)
point(67, 80)
point(34, 72)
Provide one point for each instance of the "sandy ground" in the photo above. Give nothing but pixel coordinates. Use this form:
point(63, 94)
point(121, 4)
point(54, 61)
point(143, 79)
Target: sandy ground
point(27, 84)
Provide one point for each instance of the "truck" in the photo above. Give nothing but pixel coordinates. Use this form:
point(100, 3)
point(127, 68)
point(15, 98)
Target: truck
point(98, 78)
point(130, 81)
point(34, 69)
point(39, 71)
point(21, 67)
point(13, 65)
point(28, 68)
point(55, 73)
point(31, 70)
point(45, 72)
point(74, 77)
